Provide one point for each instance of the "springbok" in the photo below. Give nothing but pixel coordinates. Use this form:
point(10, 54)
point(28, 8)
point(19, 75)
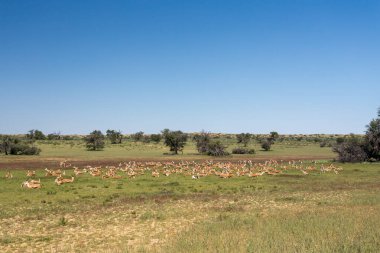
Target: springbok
point(31, 173)
point(8, 175)
point(33, 184)
point(60, 180)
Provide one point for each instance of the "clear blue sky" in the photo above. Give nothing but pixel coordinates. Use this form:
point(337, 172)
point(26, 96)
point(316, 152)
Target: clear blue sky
point(293, 66)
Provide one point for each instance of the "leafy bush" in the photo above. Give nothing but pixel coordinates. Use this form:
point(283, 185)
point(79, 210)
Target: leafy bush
point(243, 138)
point(114, 136)
point(137, 136)
point(23, 149)
point(54, 136)
point(372, 139)
point(243, 151)
point(354, 149)
point(13, 146)
point(155, 138)
point(202, 140)
point(35, 135)
point(274, 136)
point(175, 140)
point(95, 140)
point(351, 150)
point(216, 148)
point(266, 145)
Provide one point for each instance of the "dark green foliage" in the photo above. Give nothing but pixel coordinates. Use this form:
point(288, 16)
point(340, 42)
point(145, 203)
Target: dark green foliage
point(216, 148)
point(6, 144)
point(201, 141)
point(243, 151)
point(114, 136)
point(155, 138)
point(137, 136)
point(35, 135)
point(351, 150)
point(266, 145)
point(274, 136)
point(354, 149)
point(24, 149)
point(175, 140)
point(13, 146)
point(54, 136)
point(243, 138)
point(372, 139)
point(339, 140)
point(95, 140)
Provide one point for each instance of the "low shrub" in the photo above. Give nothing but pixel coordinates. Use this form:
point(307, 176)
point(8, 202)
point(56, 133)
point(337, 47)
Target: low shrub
point(216, 148)
point(24, 149)
point(266, 145)
point(243, 151)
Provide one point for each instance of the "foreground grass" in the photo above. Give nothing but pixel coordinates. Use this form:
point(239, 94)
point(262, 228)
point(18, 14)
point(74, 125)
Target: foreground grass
point(288, 213)
point(321, 229)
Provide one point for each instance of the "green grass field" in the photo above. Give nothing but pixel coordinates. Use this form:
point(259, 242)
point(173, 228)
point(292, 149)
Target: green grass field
point(289, 212)
point(75, 150)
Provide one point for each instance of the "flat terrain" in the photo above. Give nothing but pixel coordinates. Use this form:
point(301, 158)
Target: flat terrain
point(288, 212)
point(55, 151)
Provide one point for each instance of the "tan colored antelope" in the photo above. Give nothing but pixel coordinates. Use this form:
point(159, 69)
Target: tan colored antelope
point(30, 173)
point(32, 184)
point(60, 180)
point(8, 175)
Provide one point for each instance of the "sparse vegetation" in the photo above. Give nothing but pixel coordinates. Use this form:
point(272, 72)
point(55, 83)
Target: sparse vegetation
point(243, 151)
point(137, 136)
point(114, 136)
point(243, 138)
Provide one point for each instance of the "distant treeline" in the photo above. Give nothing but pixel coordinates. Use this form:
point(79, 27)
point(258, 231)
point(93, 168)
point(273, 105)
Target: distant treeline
point(350, 148)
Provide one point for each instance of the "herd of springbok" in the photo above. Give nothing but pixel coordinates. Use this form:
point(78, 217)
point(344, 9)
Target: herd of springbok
point(193, 169)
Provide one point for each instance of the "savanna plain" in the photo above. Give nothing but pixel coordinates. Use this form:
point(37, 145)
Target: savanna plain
point(131, 197)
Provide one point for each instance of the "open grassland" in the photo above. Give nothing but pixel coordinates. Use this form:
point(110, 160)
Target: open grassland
point(55, 151)
point(288, 212)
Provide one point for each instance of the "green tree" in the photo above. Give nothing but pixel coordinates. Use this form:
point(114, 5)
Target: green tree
point(372, 138)
point(155, 138)
point(54, 136)
point(274, 136)
point(202, 140)
point(175, 140)
point(138, 136)
point(243, 138)
point(95, 140)
point(216, 148)
point(35, 135)
point(114, 136)
point(6, 144)
point(266, 145)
